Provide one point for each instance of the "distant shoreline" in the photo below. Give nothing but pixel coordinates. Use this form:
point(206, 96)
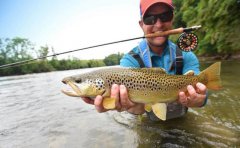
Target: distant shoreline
point(220, 57)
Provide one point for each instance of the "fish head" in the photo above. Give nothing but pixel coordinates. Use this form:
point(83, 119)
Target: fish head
point(84, 87)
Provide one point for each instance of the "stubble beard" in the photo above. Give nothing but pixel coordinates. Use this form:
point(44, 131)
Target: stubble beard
point(162, 45)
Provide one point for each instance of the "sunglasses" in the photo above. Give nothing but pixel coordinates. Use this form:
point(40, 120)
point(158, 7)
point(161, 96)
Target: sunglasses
point(151, 19)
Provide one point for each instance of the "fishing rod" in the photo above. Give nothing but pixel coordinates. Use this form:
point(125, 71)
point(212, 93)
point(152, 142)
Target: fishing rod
point(157, 34)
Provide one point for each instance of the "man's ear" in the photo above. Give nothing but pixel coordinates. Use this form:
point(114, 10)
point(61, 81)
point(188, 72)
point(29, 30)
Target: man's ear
point(140, 23)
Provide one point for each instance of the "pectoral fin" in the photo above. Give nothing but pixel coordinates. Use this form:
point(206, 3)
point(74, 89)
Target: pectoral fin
point(160, 110)
point(109, 103)
point(148, 107)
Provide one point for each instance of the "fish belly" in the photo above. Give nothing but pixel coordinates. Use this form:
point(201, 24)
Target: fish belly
point(152, 96)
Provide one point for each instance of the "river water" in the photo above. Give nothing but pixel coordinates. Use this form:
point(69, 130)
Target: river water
point(34, 113)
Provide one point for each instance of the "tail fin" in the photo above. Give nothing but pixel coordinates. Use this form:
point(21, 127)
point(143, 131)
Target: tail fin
point(212, 76)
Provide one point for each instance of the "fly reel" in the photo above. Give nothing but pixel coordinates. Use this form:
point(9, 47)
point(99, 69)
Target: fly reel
point(187, 42)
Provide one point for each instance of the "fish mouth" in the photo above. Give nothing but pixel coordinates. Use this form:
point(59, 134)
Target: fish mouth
point(75, 92)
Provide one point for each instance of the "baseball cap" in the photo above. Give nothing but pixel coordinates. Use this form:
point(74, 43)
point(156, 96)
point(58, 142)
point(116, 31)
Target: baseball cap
point(146, 4)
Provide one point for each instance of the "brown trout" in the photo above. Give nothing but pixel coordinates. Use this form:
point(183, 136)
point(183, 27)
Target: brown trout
point(151, 86)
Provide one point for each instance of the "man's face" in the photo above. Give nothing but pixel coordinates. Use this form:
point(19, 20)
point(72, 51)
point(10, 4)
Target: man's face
point(159, 26)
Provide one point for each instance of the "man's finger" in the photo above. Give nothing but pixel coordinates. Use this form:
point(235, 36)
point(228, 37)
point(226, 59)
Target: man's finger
point(195, 97)
point(125, 102)
point(192, 92)
point(202, 89)
point(115, 94)
point(98, 102)
point(183, 99)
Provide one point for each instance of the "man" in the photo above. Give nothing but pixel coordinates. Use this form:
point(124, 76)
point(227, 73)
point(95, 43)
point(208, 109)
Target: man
point(157, 16)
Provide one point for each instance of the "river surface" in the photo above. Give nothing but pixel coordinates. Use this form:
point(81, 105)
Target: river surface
point(34, 113)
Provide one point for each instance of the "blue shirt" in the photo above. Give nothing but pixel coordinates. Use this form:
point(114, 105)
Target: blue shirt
point(190, 61)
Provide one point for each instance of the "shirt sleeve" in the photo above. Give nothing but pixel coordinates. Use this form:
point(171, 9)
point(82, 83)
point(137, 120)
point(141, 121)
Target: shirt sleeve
point(190, 62)
point(128, 61)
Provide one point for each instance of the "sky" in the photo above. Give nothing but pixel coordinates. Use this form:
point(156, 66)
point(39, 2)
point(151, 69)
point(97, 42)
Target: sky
point(73, 24)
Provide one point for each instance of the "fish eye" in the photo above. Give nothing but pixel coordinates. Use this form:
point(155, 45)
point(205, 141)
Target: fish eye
point(78, 81)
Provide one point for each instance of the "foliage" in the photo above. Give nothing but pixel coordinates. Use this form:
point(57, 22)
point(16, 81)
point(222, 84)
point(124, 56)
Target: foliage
point(95, 63)
point(19, 49)
point(16, 49)
point(220, 24)
point(43, 52)
point(113, 59)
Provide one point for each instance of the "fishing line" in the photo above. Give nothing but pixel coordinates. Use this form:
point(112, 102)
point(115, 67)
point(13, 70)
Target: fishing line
point(165, 33)
point(56, 54)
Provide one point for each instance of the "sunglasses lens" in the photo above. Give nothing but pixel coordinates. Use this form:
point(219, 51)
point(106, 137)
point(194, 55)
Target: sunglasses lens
point(166, 17)
point(152, 19)
point(149, 20)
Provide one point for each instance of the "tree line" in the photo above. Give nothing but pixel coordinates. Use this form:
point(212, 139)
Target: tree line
point(20, 49)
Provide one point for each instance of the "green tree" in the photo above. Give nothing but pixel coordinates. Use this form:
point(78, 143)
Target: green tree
point(43, 51)
point(95, 63)
point(220, 24)
point(19, 49)
point(4, 51)
point(178, 21)
point(113, 59)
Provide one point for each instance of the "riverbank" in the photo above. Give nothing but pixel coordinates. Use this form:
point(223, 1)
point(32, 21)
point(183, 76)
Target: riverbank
point(59, 65)
point(220, 57)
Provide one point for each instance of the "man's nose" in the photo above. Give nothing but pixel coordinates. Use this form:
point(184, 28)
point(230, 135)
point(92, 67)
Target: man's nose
point(158, 23)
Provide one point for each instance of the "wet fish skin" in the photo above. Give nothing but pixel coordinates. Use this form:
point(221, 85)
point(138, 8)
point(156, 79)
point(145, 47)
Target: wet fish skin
point(144, 85)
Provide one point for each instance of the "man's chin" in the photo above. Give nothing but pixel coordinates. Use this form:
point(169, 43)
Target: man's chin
point(159, 43)
point(159, 40)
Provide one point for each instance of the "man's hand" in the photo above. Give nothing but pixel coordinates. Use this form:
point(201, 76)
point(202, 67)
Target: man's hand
point(123, 103)
point(195, 97)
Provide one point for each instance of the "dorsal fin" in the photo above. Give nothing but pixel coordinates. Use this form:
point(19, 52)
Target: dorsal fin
point(189, 73)
point(150, 70)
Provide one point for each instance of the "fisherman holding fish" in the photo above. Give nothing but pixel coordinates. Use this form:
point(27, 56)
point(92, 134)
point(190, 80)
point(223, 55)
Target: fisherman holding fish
point(157, 16)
